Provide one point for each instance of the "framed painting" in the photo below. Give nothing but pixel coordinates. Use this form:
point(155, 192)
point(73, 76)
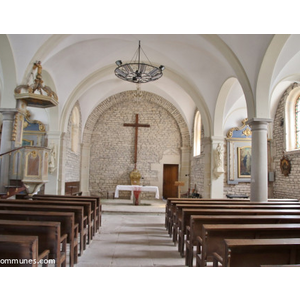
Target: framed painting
point(244, 162)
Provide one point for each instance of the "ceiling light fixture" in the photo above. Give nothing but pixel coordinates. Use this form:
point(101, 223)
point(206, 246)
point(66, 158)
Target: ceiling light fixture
point(137, 72)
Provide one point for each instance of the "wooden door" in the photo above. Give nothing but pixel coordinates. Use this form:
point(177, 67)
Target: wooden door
point(169, 177)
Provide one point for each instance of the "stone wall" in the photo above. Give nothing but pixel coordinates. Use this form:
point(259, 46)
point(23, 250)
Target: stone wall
point(197, 168)
point(200, 172)
point(72, 163)
point(284, 186)
point(112, 144)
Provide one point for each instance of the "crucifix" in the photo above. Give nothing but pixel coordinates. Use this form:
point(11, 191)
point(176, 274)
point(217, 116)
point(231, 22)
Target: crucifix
point(136, 125)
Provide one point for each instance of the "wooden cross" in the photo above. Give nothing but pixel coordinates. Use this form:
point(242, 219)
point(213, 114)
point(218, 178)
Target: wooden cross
point(136, 125)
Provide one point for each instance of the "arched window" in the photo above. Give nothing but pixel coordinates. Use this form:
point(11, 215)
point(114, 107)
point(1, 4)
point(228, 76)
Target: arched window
point(75, 119)
point(197, 134)
point(291, 120)
point(297, 123)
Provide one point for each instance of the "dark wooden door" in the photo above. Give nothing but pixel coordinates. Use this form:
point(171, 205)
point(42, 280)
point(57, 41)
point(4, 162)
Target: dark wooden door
point(169, 177)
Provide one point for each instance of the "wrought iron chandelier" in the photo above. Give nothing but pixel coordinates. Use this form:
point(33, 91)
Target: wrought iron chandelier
point(137, 72)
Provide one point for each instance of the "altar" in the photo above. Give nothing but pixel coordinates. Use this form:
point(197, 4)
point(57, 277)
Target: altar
point(136, 190)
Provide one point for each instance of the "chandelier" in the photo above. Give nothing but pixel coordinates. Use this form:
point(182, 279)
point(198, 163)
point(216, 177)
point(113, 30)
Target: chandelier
point(137, 72)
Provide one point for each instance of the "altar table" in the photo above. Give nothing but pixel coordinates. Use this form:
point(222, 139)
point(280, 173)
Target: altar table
point(135, 190)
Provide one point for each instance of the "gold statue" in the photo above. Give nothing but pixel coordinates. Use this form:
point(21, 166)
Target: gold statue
point(135, 177)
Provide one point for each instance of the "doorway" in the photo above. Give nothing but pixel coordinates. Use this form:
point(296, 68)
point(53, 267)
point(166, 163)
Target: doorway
point(170, 175)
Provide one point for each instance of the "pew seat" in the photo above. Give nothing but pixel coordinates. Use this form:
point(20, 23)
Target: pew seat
point(80, 219)
point(49, 236)
point(186, 214)
point(213, 235)
point(194, 230)
point(66, 219)
point(257, 252)
point(21, 251)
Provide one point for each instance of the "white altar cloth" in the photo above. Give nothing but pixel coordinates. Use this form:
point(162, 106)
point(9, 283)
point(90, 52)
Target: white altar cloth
point(133, 188)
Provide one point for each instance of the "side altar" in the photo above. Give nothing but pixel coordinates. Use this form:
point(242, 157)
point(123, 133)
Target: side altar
point(136, 190)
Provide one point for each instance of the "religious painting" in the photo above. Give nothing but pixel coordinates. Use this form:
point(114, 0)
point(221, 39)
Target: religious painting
point(244, 161)
point(285, 166)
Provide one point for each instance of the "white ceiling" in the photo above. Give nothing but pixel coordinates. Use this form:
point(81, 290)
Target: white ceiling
point(80, 67)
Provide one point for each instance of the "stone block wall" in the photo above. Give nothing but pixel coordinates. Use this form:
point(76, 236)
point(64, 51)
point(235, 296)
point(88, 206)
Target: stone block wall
point(112, 144)
point(284, 186)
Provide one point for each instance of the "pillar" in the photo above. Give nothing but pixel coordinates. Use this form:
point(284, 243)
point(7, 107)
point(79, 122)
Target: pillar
point(259, 159)
point(8, 115)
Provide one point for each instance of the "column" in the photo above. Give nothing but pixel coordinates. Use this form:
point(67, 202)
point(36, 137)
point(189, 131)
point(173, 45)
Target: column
point(259, 159)
point(8, 115)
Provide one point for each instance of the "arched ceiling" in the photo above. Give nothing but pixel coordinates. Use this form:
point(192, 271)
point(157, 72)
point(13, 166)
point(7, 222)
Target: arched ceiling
point(81, 67)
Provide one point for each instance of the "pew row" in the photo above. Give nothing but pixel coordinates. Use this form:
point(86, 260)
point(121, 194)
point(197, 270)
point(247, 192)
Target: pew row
point(95, 202)
point(48, 233)
point(66, 219)
point(194, 231)
point(88, 213)
point(257, 252)
point(178, 215)
point(213, 235)
point(171, 208)
point(21, 251)
point(187, 213)
point(175, 206)
point(80, 219)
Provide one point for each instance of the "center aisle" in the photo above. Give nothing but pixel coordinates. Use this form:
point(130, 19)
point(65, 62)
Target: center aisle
point(132, 236)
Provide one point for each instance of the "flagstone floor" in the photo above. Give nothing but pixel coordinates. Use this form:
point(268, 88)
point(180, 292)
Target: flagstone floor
point(132, 236)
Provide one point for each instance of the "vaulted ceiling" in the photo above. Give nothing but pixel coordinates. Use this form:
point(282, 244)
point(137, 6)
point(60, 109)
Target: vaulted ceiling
point(214, 73)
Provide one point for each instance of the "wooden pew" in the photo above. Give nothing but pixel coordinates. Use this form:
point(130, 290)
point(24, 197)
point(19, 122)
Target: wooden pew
point(213, 235)
point(176, 207)
point(171, 208)
point(66, 219)
point(257, 252)
point(283, 200)
point(49, 236)
point(194, 231)
point(177, 216)
point(88, 211)
point(97, 208)
point(21, 251)
point(198, 200)
point(86, 206)
point(80, 219)
point(186, 214)
point(203, 200)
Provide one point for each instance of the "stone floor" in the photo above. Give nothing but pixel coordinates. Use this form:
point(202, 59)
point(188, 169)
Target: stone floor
point(132, 236)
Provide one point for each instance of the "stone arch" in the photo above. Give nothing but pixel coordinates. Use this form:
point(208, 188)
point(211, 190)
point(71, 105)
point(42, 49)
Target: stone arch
point(117, 98)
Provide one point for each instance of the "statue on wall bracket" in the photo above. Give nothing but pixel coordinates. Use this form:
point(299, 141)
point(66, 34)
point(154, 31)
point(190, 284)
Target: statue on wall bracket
point(219, 156)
